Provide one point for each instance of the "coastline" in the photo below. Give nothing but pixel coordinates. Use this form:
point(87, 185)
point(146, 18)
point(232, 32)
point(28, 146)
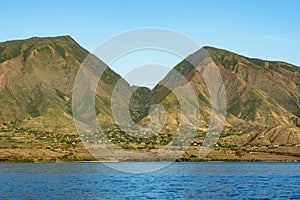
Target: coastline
point(207, 160)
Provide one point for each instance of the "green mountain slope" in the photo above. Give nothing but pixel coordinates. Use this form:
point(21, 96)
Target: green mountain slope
point(36, 83)
point(36, 86)
point(262, 93)
point(263, 97)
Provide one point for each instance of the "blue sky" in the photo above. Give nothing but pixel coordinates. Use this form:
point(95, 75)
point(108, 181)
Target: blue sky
point(267, 29)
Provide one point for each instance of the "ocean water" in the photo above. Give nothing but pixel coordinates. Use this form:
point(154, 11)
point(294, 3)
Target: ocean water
point(177, 181)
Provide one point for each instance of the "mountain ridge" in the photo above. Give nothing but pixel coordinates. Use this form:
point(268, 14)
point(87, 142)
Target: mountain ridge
point(36, 81)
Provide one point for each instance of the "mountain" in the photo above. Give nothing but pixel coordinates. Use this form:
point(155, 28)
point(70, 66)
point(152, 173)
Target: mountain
point(36, 117)
point(263, 102)
point(36, 83)
point(264, 95)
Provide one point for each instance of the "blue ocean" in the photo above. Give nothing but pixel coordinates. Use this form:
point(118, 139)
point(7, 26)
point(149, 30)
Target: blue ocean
point(213, 180)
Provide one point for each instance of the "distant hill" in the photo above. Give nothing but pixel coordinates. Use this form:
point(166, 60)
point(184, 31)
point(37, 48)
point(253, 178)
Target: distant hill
point(36, 124)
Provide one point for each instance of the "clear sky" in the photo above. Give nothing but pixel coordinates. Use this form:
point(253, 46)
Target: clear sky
point(267, 29)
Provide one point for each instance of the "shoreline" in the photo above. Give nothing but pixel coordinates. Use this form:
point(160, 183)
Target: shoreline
point(143, 161)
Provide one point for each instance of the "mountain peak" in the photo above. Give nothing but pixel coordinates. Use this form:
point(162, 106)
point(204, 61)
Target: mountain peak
point(61, 44)
point(227, 58)
point(39, 39)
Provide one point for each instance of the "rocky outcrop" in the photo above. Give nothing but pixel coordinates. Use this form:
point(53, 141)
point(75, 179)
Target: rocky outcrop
point(297, 121)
